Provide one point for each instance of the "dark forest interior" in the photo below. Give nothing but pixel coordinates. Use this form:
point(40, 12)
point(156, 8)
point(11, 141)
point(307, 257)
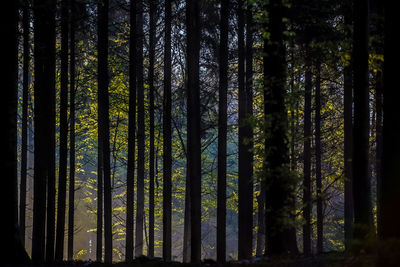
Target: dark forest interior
point(226, 132)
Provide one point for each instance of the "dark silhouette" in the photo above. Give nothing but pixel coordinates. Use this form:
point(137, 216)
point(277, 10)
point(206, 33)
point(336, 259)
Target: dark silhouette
point(62, 175)
point(193, 125)
point(140, 130)
point(103, 126)
point(361, 179)
point(44, 91)
point(24, 130)
point(222, 131)
point(130, 175)
point(167, 138)
point(12, 248)
point(279, 195)
point(72, 89)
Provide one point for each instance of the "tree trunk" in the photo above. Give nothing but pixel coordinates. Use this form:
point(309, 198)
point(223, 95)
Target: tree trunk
point(318, 156)
point(193, 124)
point(222, 132)
point(12, 248)
point(348, 145)
point(140, 133)
point(260, 220)
point(130, 176)
point(390, 162)
point(103, 113)
point(361, 179)
point(167, 137)
point(187, 225)
point(281, 238)
point(307, 204)
point(62, 176)
point(71, 190)
point(44, 62)
point(153, 6)
point(245, 164)
point(379, 144)
point(24, 131)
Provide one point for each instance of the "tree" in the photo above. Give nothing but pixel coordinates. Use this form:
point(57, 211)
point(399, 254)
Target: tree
point(167, 136)
point(222, 131)
point(281, 238)
point(318, 158)
point(12, 247)
point(62, 176)
point(307, 205)
point(348, 137)
point(44, 62)
point(103, 123)
point(130, 175)
point(193, 124)
point(71, 190)
point(361, 179)
point(24, 130)
point(245, 162)
point(140, 132)
point(151, 113)
point(390, 161)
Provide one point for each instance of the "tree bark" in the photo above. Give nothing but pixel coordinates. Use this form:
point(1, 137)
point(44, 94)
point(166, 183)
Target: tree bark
point(391, 144)
point(24, 130)
point(152, 33)
point(103, 113)
point(71, 189)
point(361, 179)
point(307, 204)
point(245, 163)
point(140, 133)
point(222, 131)
point(12, 248)
point(167, 137)
point(193, 124)
point(318, 158)
point(348, 144)
point(44, 62)
point(62, 175)
point(281, 238)
point(130, 177)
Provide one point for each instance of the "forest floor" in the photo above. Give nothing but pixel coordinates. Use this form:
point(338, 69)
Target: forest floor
point(331, 259)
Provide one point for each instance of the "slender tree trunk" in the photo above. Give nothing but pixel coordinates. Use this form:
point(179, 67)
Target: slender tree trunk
point(245, 164)
point(279, 194)
point(153, 6)
point(62, 176)
point(361, 179)
point(99, 231)
point(187, 225)
point(12, 248)
point(260, 245)
point(44, 51)
point(348, 146)
point(390, 162)
point(222, 132)
point(307, 157)
point(167, 137)
point(318, 156)
point(193, 124)
point(71, 190)
point(24, 131)
point(103, 109)
point(140, 133)
point(130, 177)
point(51, 178)
point(379, 146)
